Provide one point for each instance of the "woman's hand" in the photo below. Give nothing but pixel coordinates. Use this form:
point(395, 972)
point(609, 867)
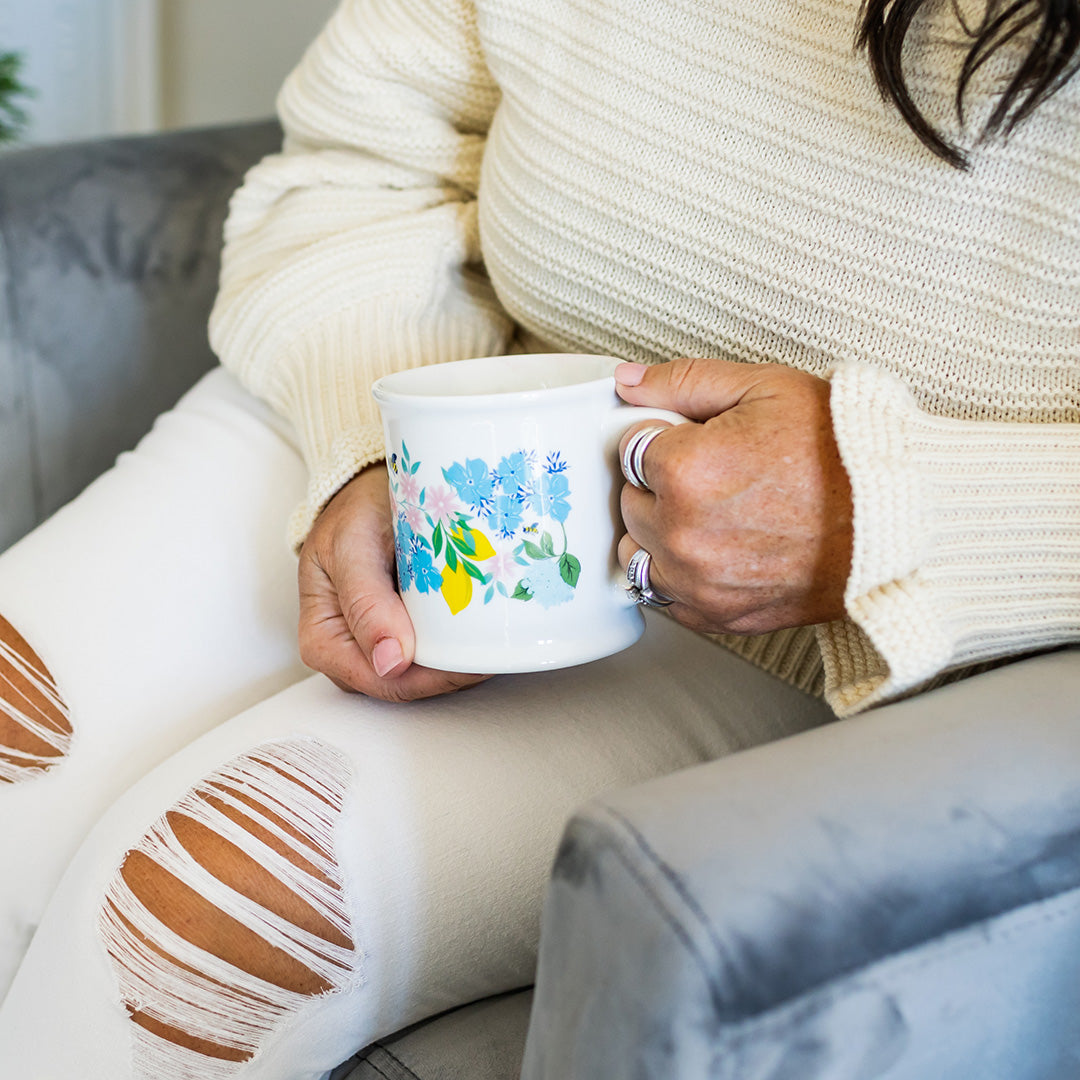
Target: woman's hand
point(353, 625)
point(749, 516)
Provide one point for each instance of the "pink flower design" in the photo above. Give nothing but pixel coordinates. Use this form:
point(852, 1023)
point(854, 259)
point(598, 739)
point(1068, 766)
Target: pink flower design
point(409, 488)
point(415, 517)
point(504, 567)
point(441, 502)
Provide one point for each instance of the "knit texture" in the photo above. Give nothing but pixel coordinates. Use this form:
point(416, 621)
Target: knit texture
point(662, 178)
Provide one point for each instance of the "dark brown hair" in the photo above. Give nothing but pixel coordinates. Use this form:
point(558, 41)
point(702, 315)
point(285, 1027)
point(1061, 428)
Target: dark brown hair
point(1049, 63)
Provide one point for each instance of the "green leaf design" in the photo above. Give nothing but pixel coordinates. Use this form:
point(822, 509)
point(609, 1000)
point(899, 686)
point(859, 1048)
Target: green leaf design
point(473, 571)
point(570, 569)
point(464, 543)
point(414, 468)
point(521, 593)
point(548, 544)
point(437, 538)
point(451, 558)
point(533, 551)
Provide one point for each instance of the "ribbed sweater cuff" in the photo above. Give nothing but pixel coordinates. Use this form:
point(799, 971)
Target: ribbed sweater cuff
point(323, 385)
point(967, 541)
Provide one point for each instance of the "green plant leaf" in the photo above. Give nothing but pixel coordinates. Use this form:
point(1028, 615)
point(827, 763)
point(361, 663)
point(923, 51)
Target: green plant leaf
point(533, 551)
point(521, 593)
point(548, 544)
point(13, 118)
point(437, 537)
point(473, 571)
point(451, 558)
point(570, 569)
point(464, 543)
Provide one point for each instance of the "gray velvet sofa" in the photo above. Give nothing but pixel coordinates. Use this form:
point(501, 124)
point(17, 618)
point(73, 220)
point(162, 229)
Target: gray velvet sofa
point(895, 896)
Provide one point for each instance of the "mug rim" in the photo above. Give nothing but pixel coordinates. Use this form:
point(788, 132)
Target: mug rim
point(384, 389)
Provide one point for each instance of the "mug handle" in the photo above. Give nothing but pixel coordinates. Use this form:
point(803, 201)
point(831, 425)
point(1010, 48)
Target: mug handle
point(622, 417)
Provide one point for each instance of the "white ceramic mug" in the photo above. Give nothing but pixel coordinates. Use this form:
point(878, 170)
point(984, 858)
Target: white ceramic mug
point(505, 483)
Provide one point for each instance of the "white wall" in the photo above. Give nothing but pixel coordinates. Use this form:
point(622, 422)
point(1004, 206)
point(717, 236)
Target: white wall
point(92, 63)
point(225, 60)
point(105, 67)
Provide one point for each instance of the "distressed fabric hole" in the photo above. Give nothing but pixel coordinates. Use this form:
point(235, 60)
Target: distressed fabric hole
point(229, 914)
point(239, 797)
point(35, 725)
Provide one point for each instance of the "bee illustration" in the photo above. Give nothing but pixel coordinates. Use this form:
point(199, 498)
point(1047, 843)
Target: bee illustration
point(394, 463)
point(533, 528)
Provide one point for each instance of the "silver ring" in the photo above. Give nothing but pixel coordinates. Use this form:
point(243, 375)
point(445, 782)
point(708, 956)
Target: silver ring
point(637, 578)
point(633, 459)
point(650, 598)
point(637, 570)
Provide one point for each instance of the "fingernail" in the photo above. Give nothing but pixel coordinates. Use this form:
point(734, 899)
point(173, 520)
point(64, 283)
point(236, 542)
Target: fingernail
point(386, 656)
point(629, 373)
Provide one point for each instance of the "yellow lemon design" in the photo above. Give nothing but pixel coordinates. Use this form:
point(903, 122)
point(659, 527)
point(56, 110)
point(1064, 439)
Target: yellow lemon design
point(484, 550)
point(479, 541)
point(456, 588)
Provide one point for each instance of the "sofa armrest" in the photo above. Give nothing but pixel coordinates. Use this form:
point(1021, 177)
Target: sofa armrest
point(894, 895)
point(109, 254)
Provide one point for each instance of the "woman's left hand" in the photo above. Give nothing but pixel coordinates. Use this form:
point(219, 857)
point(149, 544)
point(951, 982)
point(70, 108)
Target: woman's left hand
point(749, 517)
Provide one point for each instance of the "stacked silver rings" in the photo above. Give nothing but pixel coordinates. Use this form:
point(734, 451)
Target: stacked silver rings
point(637, 569)
point(637, 576)
point(633, 459)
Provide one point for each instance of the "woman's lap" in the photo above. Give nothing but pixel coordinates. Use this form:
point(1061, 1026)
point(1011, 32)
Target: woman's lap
point(449, 814)
point(418, 837)
point(158, 603)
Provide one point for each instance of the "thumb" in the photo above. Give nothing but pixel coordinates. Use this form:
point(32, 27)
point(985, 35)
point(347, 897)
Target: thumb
point(699, 388)
point(352, 620)
point(375, 615)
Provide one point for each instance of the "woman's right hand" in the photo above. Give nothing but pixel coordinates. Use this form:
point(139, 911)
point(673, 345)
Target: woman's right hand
point(353, 626)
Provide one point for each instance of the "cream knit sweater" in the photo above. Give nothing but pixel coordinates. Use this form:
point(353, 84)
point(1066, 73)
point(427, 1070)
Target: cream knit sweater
point(661, 178)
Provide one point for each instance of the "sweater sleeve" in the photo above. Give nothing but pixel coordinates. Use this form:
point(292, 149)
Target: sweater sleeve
point(967, 541)
point(355, 251)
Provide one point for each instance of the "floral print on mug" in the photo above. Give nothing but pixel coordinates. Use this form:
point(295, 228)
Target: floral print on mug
point(500, 529)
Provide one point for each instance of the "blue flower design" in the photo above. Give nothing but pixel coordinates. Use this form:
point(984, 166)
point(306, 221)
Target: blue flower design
point(423, 568)
point(514, 472)
point(404, 571)
point(504, 517)
point(552, 498)
point(526, 496)
point(403, 542)
point(471, 480)
point(544, 580)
